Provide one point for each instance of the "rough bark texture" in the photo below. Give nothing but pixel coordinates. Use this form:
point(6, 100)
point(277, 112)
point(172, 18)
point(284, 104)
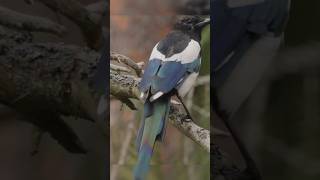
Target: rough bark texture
point(57, 78)
point(127, 61)
point(198, 134)
point(43, 81)
point(88, 21)
point(53, 77)
point(26, 22)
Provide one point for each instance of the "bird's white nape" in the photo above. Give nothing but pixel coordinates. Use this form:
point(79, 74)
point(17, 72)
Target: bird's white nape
point(188, 55)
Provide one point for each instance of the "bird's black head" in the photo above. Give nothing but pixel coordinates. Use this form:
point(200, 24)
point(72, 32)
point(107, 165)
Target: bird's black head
point(191, 24)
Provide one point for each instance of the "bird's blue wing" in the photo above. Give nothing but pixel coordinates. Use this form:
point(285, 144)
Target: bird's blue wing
point(149, 72)
point(164, 76)
point(168, 76)
point(161, 76)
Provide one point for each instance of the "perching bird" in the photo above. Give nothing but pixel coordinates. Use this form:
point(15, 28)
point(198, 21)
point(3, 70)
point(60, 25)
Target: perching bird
point(172, 70)
point(247, 35)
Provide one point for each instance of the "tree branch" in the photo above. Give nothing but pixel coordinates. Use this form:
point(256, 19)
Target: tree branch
point(56, 77)
point(45, 81)
point(87, 18)
point(137, 67)
point(126, 86)
point(31, 23)
point(47, 76)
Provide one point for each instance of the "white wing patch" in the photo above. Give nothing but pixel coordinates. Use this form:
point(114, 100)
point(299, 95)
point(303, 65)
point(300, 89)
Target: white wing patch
point(155, 54)
point(156, 96)
point(187, 84)
point(188, 55)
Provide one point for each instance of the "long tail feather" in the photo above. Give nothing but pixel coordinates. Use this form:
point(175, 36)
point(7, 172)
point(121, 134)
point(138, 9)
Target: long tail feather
point(151, 129)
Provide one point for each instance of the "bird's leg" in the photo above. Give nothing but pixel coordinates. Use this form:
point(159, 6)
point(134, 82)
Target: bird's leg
point(189, 117)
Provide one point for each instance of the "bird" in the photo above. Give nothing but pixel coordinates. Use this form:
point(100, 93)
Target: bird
point(172, 69)
point(248, 35)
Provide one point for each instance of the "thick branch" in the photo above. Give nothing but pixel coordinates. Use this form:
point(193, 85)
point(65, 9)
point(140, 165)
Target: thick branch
point(44, 81)
point(127, 61)
point(31, 23)
point(88, 21)
point(198, 134)
point(125, 86)
point(46, 77)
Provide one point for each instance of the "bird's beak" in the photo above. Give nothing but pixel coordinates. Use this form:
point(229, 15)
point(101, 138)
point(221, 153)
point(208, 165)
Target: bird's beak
point(203, 23)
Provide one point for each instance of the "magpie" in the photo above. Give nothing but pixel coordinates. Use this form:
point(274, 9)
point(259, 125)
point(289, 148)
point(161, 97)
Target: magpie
point(172, 69)
point(101, 84)
point(247, 35)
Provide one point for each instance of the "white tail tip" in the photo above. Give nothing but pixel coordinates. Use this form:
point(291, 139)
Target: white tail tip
point(156, 96)
point(142, 95)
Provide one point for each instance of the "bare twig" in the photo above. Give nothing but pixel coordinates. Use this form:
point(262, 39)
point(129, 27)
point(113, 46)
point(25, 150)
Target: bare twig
point(137, 67)
point(126, 142)
point(118, 68)
point(124, 148)
point(30, 23)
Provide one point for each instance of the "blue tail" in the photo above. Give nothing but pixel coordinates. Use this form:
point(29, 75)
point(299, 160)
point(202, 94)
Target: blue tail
point(151, 129)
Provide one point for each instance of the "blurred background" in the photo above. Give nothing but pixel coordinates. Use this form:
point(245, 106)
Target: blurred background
point(52, 162)
point(280, 121)
point(135, 27)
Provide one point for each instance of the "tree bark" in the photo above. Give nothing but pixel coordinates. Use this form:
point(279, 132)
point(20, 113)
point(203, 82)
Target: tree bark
point(46, 76)
point(58, 78)
point(18, 20)
point(89, 19)
point(126, 86)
